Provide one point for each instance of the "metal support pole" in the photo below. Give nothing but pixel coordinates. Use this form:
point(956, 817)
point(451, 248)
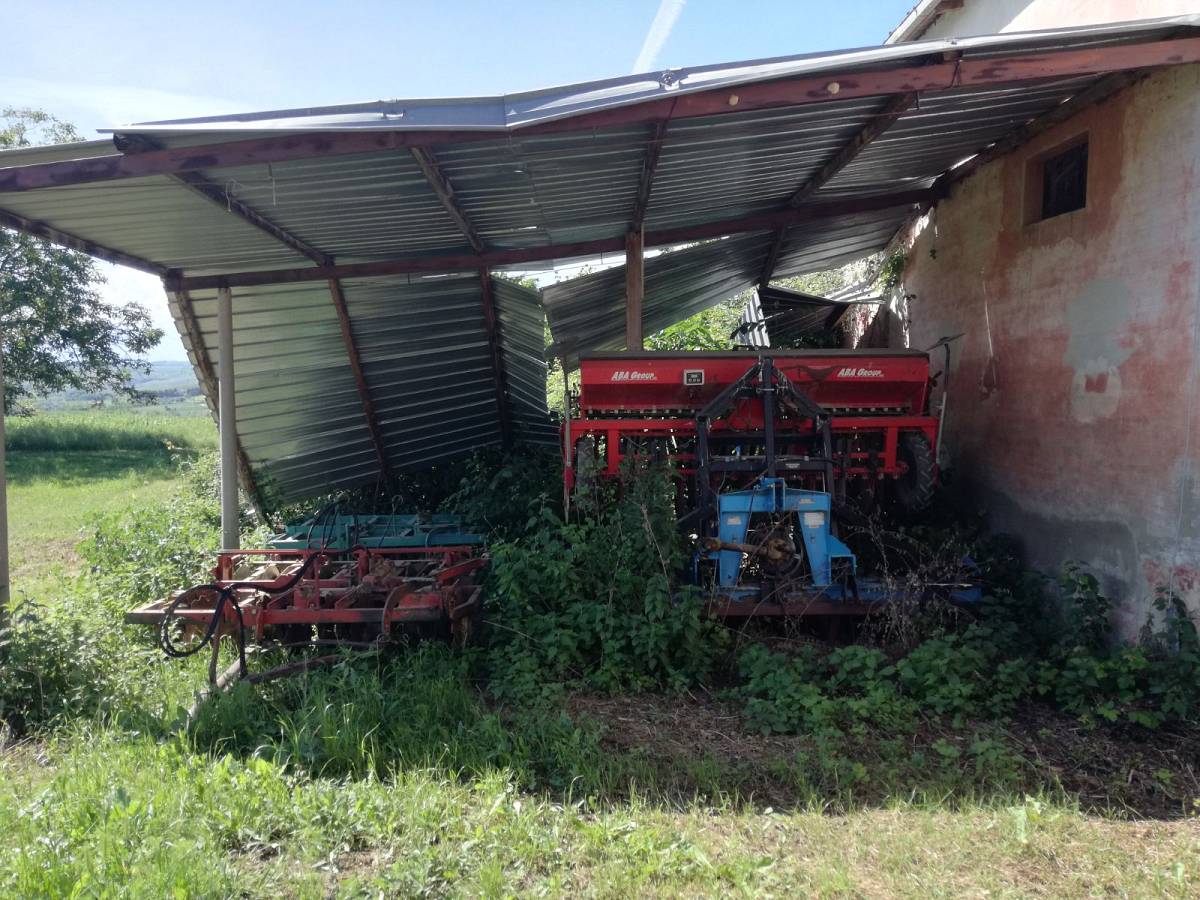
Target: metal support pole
point(4, 584)
point(228, 420)
point(634, 290)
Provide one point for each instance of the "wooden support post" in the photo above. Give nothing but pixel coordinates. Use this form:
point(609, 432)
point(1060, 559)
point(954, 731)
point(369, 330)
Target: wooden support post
point(491, 324)
point(635, 286)
point(230, 532)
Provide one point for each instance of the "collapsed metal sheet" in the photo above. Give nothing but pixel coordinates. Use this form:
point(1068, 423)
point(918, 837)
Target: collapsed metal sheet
point(424, 352)
point(588, 314)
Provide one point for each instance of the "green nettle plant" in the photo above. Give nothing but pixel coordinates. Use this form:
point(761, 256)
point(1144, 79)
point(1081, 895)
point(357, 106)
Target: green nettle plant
point(594, 602)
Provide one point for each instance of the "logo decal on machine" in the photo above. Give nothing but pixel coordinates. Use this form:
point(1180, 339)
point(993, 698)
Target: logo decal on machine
point(852, 372)
point(629, 375)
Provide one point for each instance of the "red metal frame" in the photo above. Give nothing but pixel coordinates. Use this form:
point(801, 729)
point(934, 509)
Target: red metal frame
point(874, 397)
point(381, 587)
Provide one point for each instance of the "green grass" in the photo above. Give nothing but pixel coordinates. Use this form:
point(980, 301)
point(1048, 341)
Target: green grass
point(99, 812)
point(66, 468)
point(398, 776)
point(141, 429)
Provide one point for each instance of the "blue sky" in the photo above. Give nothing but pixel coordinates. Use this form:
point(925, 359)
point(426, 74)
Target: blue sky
point(99, 65)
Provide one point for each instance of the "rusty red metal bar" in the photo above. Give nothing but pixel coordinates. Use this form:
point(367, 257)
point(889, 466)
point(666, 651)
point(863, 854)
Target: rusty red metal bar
point(891, 112)
point(73, 242)
point(444, 190)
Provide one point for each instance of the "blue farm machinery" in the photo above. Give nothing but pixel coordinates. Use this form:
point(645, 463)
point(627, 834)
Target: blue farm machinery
point(765, 450)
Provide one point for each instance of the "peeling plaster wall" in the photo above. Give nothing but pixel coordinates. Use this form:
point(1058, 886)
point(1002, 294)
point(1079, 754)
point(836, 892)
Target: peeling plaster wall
point(1073, 395)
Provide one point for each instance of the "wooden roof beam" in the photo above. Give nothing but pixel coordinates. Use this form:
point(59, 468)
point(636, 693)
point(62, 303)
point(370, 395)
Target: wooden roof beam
point(641, 200)
point(73, 242)
point(216, 193)
point(1089, 96)
point(360, 379)
point(445, 193)
point(784, 92)
point(495, 258)
point(881, 122)
point(220, 196)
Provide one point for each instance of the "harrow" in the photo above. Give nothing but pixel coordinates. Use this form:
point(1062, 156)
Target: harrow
point(332, 579)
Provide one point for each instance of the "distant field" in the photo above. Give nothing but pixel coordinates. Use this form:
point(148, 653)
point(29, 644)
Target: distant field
point(64, 468)
point(121, 428)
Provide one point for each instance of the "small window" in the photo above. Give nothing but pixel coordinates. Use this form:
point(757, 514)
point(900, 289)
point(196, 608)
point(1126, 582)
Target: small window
point(1064, 181)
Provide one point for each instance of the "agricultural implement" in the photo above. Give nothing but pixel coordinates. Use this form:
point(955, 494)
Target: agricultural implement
point(334, 579)
point(765, 451)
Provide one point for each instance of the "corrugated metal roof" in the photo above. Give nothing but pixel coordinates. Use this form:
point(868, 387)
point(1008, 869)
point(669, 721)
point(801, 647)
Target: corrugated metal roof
point(423, 340)
point(425, 356)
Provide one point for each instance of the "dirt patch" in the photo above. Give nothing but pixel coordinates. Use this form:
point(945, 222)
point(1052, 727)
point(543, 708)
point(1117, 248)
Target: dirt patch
point(1148, 773)
point(1106, 770)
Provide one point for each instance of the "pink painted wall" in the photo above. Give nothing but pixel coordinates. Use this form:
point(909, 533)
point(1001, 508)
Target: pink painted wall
point(1074, 395)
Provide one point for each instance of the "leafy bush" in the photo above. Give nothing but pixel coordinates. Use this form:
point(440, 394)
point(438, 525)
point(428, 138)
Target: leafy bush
point(593, 602)
point(1149, 684)
point(849, 689)
point(70, 661)
point(498, 490)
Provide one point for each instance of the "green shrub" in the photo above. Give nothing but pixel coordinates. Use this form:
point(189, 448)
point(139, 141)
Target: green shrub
point(70, 661)
point(850, 689)
point(139, 554)
point(594, 603)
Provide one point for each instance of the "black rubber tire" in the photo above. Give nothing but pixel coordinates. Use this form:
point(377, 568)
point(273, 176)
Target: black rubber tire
point(914, 489)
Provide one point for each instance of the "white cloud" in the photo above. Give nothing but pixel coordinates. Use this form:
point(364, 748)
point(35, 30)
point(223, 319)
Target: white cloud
point(660, 30)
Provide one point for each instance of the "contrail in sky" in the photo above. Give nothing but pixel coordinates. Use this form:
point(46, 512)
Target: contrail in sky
point(660, 30)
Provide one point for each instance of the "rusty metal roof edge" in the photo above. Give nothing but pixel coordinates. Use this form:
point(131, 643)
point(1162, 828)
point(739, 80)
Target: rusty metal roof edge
point(510, 112)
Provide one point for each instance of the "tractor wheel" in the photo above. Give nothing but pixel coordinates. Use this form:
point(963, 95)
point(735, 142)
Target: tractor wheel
point(914, 489)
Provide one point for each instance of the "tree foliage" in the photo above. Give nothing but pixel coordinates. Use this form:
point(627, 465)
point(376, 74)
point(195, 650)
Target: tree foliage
point(58, 332)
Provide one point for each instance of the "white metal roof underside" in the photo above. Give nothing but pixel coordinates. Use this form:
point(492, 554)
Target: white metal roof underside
point(750, 157)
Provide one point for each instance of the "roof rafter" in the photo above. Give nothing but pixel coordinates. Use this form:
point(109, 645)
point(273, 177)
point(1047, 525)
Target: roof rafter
point(496, 258)
point(74, 242)
point(360, 379)
point(220, 196)
point(445, 193)
point(881, 122)
point(784, 92)
point(214, 192)
point(1089, 96)
point(641, 199)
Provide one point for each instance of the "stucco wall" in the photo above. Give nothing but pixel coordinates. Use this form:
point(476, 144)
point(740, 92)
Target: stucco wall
point(992, 16)
point(1073, 399)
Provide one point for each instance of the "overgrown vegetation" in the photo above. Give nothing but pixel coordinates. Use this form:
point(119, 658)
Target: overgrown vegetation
point(585, 744)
